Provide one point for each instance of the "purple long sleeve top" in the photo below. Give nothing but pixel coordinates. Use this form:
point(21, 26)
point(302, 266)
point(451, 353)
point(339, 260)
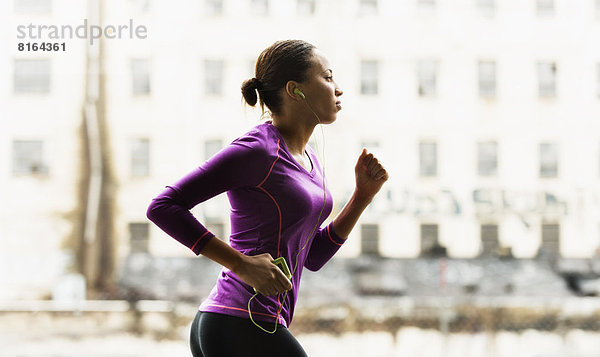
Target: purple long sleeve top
point(275, 204)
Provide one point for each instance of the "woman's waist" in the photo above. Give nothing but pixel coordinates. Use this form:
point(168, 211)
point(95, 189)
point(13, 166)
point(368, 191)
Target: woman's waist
point(232, 296)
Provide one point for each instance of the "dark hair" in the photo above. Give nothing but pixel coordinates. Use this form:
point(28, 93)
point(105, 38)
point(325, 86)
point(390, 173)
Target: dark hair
point(279, 63)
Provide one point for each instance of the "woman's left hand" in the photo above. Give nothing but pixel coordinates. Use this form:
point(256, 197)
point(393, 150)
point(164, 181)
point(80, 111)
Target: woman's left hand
point(370, 175)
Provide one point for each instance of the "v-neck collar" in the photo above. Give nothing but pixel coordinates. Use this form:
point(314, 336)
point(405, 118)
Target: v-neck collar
point(284, 146)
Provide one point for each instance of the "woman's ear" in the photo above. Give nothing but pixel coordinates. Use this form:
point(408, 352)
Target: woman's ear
point(289, 89)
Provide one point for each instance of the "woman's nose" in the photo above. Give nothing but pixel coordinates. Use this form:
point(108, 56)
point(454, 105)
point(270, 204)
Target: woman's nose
point(338, 92)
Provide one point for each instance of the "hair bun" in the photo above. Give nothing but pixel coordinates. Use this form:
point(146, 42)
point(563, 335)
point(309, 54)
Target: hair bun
point(255, 82)
point(249, 88)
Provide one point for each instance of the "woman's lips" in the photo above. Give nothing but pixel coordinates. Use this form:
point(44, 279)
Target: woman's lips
point(338, 104)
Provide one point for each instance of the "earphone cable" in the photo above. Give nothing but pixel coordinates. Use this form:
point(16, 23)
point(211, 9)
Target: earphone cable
point(310, 236)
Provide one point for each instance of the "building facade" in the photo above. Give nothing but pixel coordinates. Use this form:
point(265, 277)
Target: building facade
point(486, 114)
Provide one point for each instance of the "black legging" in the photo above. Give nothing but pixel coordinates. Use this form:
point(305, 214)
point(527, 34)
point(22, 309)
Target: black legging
point(216, 335)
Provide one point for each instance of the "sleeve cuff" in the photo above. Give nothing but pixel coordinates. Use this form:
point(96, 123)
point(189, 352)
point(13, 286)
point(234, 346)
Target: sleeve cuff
point(333, 237)
point(201, 242)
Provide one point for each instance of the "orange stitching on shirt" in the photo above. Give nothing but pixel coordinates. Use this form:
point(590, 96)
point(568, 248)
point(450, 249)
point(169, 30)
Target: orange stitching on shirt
point(278, 211)
point(273, 198)
point(273, 165)
point(280, 219)
point(331, 239)
point(194, 246)
point(244, 310)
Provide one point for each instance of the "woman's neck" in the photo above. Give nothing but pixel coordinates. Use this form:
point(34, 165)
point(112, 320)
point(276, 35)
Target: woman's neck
point(295, 134)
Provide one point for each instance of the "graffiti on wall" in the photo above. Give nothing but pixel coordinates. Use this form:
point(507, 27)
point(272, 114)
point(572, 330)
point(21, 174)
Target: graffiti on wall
point(485, 203)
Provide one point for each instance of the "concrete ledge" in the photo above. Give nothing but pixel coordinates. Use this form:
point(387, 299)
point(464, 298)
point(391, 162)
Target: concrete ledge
point(86, 306)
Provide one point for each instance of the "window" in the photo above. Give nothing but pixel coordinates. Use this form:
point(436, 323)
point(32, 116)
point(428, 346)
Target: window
point(368, 7)
point(145, 5)
point(211, 147)
point(305, 7)
point(214, 7)
point(546, 79)
point(217, 228)
point(369, 77)
point(544, 7)
point(213, 77)
point(140, 76)
point(548, 160)
point(139, 237)
point(597, 252)
point(369, 240)
point(426, 3)
point(430, 245)
point(487, 78)
point(428, 159)
point(28, 157)
point(140, 157)
point(32, 76)
point(372, 146)
point(142, 6)
point(260, 7)
point(33, 6)
point(427, 77)
point(486, 8)
point(487, 158)
point(489, 240)
point(550, 240)
point(598, 79)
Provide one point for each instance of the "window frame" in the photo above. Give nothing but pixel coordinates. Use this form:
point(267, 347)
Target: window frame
point(425, 161)
point(487, 85)
point(22, 161)
point(214, 77)
point(492, 160)
point(141, 78)
point(547, 73)
point(369, 77)
point(141, 244)
point(427, 78)
point(549, 159)
point(138, 159)
point(370, 239)
point(32, 76)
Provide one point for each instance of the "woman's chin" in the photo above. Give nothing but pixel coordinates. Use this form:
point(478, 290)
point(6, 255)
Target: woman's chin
point(329, 120)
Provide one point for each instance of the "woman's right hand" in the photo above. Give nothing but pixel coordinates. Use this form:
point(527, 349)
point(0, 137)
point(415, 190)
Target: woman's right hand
point(259, 272)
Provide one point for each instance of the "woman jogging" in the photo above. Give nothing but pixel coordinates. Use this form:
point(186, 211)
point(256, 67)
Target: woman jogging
point(276, 189)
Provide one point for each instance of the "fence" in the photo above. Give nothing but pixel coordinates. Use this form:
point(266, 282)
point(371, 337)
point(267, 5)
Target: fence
point(376, 326)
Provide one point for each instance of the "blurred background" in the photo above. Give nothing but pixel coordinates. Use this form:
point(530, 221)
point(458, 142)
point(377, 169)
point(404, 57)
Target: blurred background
point(484, 242)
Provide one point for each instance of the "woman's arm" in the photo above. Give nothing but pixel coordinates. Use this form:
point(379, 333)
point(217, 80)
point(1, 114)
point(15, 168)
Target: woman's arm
point(257, 271)
point(370, 177)
point(238, 165)
point(345, 221)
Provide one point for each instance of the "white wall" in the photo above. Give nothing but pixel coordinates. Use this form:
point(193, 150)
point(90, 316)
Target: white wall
point(178, 117)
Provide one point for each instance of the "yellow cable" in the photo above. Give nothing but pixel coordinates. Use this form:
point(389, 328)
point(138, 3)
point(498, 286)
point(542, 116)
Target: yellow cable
point(307, 240)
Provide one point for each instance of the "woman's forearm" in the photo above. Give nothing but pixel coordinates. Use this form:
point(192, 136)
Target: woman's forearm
point(370, 176)
point(222, 253)
point(347, 218)
point(257, 271)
